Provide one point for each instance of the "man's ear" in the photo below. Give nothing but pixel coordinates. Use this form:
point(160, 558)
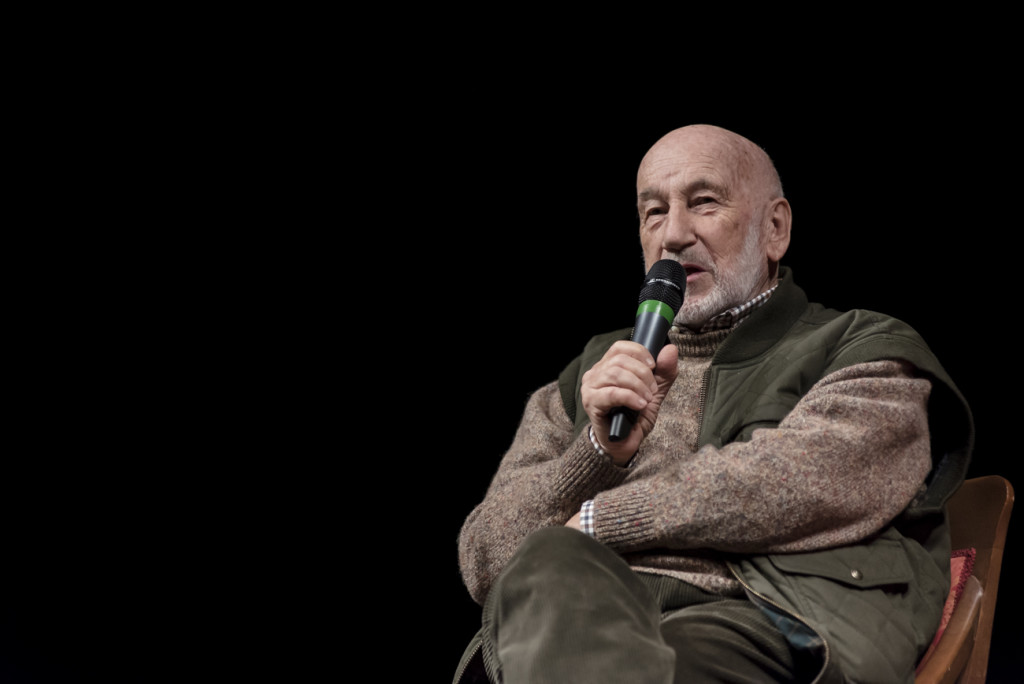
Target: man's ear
point(780, 221)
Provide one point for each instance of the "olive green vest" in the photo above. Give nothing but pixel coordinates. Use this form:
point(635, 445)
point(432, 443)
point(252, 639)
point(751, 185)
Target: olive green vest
point(873, 602)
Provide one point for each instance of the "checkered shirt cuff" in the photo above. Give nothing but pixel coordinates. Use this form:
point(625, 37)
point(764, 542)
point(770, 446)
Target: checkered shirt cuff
point(587, 517)
point(598, 449)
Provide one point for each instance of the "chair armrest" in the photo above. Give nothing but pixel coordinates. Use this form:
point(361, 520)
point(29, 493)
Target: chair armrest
point(947, 658)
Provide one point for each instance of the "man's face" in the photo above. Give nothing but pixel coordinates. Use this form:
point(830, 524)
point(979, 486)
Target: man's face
point(699, 206)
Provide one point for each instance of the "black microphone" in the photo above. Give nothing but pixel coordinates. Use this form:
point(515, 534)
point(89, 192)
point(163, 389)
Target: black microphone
point(660, 299)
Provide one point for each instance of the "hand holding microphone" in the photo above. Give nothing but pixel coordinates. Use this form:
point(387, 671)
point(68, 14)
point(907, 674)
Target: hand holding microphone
point(660, 299)
point(625, 374)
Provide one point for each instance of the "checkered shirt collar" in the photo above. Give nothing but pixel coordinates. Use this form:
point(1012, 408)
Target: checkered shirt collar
point(737, 314)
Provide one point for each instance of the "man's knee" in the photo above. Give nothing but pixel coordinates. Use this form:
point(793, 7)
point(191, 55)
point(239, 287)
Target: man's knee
point(567, 608)
point(557, 555)
point(555, 540)
point(562, 553)
point(564, 569)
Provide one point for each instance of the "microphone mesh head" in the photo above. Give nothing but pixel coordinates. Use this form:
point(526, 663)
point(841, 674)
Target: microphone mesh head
point(666, 283)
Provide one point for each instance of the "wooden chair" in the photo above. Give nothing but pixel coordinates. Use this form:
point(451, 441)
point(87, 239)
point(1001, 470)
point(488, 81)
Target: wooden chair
point(979, 514)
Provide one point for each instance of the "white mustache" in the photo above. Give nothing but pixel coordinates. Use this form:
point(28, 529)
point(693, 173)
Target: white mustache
point(700, 262)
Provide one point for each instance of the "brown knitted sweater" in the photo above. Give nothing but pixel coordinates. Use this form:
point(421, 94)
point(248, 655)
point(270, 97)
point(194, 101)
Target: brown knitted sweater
point(848, 458)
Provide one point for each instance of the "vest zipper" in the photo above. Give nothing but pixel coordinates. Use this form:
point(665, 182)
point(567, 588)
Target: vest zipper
point(462, 668)
point(786, 611)
point(702, 398)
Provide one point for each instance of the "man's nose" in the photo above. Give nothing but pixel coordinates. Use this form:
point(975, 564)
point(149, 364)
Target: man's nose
point(679, 230)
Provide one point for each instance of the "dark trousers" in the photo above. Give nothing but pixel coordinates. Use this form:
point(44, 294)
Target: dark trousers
point(568, 609)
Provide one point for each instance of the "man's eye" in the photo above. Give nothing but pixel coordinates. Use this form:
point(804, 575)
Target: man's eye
point(703, 199)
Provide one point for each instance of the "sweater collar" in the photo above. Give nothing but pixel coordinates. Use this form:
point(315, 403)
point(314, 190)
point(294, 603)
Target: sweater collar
point(705, 341)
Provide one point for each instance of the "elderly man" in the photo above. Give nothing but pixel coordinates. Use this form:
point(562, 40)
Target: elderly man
point(776, 512)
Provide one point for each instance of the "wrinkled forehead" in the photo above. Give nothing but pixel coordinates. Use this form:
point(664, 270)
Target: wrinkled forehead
point(685, 156)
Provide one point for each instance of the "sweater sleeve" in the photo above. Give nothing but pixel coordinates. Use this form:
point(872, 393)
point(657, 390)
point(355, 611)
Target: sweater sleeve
point(542, 480)
point(849, 457)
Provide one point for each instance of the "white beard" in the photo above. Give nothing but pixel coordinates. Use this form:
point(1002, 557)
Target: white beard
point(733, 284)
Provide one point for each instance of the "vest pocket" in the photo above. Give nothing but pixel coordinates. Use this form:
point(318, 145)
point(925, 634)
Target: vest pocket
point(882, 562)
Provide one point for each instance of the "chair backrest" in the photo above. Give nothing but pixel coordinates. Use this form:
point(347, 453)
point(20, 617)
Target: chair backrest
point(979, 514)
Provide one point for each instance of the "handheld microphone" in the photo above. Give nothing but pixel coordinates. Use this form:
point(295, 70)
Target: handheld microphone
point(660, 299)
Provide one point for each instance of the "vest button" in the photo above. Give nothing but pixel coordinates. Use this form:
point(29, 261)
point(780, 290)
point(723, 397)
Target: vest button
point(855, 574)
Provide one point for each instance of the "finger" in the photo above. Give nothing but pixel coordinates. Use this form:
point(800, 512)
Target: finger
point(600, 403)
point(624, 374)
point(632, 349)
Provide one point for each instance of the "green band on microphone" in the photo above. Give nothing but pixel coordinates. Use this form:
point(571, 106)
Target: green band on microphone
point(654, 306)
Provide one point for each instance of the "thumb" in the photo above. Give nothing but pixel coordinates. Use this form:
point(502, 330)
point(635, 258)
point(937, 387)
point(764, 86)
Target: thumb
point(665, 368)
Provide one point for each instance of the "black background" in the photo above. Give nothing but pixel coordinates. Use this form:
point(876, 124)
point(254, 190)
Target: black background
point(259, 408)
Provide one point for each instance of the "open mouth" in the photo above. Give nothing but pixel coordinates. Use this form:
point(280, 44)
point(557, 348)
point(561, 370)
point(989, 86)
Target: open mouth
point(693, 271)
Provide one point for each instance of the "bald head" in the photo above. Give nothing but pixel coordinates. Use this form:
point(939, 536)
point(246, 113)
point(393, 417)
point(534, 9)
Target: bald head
point(751, 165)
